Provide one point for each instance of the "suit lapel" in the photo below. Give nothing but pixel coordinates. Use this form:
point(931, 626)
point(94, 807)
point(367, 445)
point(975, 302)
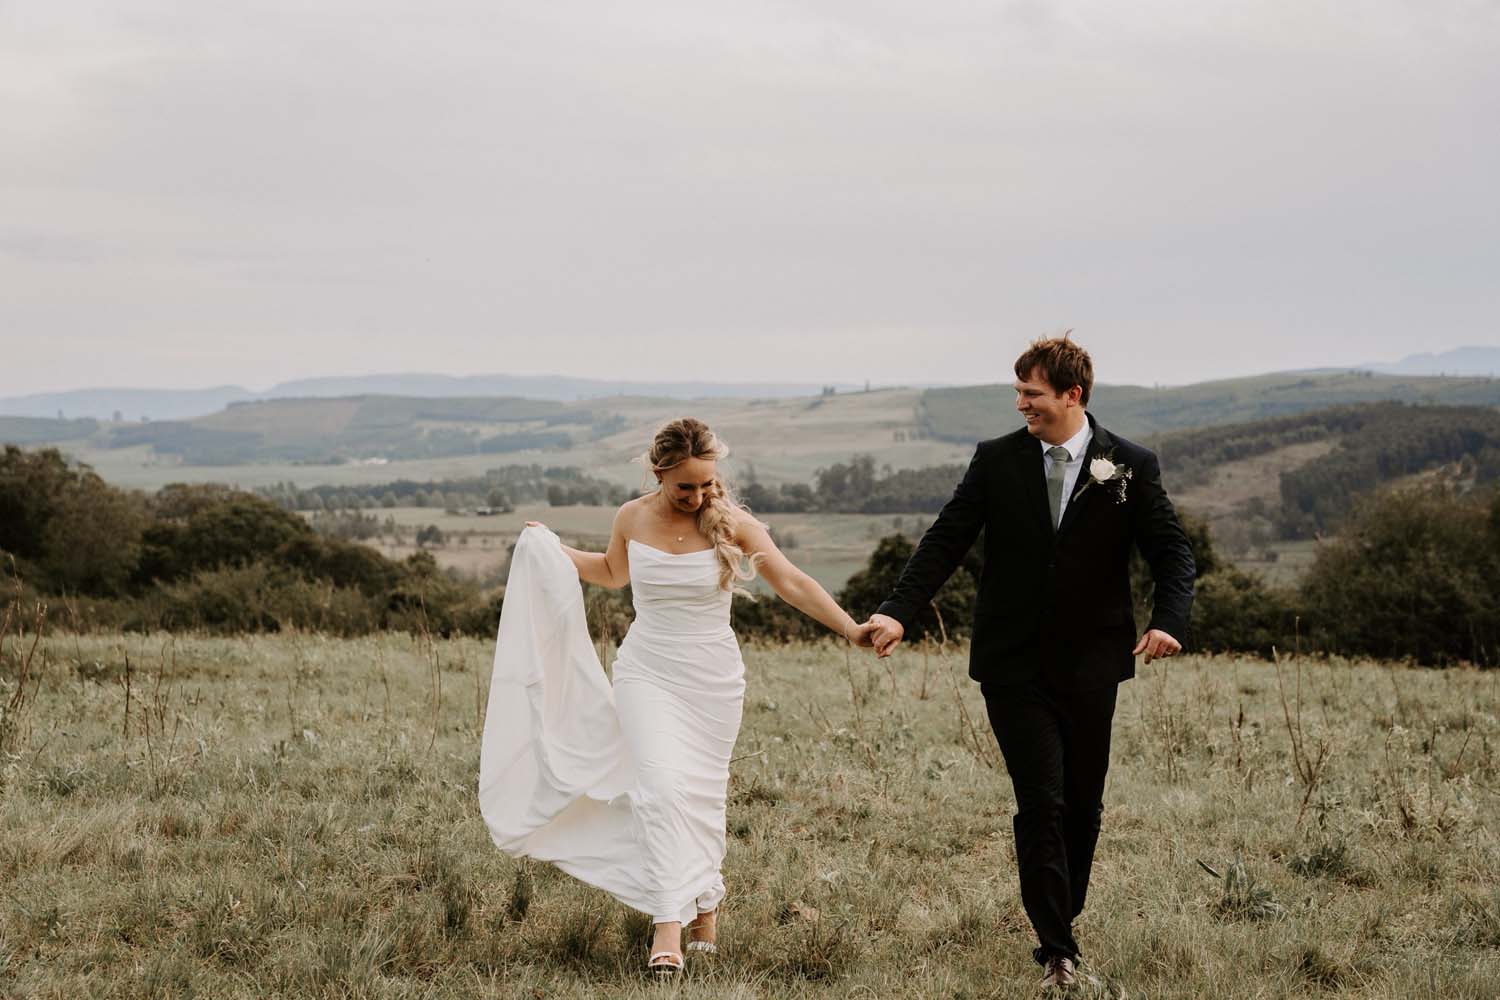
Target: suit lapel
point(1033, 474)
point(1099, 443)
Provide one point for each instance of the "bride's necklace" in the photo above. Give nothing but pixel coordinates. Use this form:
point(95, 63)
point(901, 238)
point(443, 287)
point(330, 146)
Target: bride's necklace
point(680, 537)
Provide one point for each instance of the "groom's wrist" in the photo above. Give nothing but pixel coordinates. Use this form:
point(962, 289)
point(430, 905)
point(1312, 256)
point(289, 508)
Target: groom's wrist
point(894, 611)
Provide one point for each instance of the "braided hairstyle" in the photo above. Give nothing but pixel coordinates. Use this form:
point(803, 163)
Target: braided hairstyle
point(676, 442)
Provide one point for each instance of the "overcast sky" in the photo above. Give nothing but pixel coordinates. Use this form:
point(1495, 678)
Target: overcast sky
point(199, 193)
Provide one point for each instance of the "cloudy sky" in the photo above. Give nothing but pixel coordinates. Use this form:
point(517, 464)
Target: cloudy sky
point(199, 193)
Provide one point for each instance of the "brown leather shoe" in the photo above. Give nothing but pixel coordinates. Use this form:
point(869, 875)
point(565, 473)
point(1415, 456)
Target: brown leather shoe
point(1059, 972)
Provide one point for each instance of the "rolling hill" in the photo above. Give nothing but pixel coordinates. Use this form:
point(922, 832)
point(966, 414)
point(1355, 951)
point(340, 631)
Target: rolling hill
point(42, 430)
point(374, 438)
point(186, 404)
point(1461, 361)
point(969, 413)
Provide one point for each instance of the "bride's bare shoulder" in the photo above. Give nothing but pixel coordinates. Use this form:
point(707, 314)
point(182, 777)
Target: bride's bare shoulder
point(743, 522)
point(629, 513)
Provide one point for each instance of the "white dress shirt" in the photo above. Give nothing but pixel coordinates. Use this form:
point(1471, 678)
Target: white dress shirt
point(1077, 446)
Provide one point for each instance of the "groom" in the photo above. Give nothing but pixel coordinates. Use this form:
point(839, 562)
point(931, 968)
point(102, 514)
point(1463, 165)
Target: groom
point(1061, 502)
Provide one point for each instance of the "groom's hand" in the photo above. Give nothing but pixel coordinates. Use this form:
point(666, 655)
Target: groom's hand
point(1157, 643)
point(887, 632)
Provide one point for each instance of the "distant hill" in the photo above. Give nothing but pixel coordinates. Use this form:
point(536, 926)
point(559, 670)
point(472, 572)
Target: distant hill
point(362, 427)
point(972, 413)
point(134, 405)
point(129, 404)
point(185, 404)
point(1463, 361)
point(39, 430)
point(554, 387)
point(370, 438)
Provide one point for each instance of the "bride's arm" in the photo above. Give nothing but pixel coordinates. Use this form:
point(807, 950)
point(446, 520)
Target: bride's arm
point(791, 584)
point(610, 568)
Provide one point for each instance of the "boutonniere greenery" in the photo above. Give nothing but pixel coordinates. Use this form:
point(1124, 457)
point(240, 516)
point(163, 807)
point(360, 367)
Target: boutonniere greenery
point(1105, 472)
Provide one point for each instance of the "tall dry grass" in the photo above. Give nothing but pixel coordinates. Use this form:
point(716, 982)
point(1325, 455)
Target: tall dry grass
point(295, 816)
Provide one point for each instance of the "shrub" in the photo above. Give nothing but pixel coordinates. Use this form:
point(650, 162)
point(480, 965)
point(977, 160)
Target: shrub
point(66, 527)
point(1416, 574)
point(344, 564)
point(870, 586)
point(199, 530)
point(1235, 611)
point(264, 598)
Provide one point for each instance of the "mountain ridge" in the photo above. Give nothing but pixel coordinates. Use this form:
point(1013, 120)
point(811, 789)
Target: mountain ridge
point(133, 404)
point(187, 404)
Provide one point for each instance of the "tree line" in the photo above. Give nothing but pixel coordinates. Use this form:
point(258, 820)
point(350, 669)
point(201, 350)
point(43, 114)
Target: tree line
point(500, 488)
point(1395, 442)
point(1375, 444)
point(1414, 574)
point(856, 487)
point(207, 557)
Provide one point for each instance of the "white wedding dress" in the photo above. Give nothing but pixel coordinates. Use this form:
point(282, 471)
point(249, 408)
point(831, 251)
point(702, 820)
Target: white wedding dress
point(622, 787)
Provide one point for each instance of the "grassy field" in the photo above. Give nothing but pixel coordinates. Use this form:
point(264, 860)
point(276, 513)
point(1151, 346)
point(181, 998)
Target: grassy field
point(295, 817)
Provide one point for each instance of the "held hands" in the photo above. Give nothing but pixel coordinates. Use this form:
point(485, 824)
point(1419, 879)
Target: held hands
point(859, 635)
point(868, 635)
point(885, 633)
point(1157, 644)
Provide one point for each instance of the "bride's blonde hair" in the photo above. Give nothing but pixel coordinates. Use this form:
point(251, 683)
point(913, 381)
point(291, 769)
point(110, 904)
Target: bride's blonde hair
point(676, 442)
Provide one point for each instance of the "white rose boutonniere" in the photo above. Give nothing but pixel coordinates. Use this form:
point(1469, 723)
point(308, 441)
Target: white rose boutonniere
point(1105, 472)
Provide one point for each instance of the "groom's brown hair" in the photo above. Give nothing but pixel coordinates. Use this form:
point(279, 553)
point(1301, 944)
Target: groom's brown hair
point(1063, 365)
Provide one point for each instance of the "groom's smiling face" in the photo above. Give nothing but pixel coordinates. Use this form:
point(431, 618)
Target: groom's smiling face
point(1050, 415)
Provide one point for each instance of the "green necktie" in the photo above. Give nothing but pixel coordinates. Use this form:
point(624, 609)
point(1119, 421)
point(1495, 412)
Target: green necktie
point(1060, 457)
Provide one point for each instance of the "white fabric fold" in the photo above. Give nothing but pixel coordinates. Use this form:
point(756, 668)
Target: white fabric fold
point(622, 787)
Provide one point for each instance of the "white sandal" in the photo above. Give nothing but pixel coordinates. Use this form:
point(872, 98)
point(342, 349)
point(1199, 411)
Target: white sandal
point(670, 964)
point(704, 947)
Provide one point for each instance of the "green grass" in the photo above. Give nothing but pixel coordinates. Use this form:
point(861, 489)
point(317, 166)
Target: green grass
point(295, 816)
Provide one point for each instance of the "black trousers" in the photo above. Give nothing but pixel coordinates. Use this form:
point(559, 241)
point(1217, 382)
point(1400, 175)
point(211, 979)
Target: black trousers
point(1056, 747)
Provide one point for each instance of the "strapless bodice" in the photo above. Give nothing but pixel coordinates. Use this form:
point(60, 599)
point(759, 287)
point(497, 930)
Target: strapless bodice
point(677, 594)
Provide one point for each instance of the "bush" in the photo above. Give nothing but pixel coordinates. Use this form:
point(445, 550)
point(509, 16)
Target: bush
point(768, 617)
point(1236, 612)
point(1415, 575)
point(199, 530)
point(426, 599)
point(67, 529)
point(263, 598)
point(344, 564)
point(870, 586)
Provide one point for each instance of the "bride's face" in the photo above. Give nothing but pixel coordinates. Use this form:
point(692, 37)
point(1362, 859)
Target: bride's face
point(684, 485)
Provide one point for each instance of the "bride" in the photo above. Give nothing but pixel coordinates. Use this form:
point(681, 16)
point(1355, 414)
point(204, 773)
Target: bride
point(624, 786)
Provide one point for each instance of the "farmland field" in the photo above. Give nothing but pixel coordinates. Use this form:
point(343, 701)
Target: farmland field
point(785, 440)
point(829, 547)
point(295, 816)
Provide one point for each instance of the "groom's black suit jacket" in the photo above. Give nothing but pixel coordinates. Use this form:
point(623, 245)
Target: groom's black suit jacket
point(1054, 605)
